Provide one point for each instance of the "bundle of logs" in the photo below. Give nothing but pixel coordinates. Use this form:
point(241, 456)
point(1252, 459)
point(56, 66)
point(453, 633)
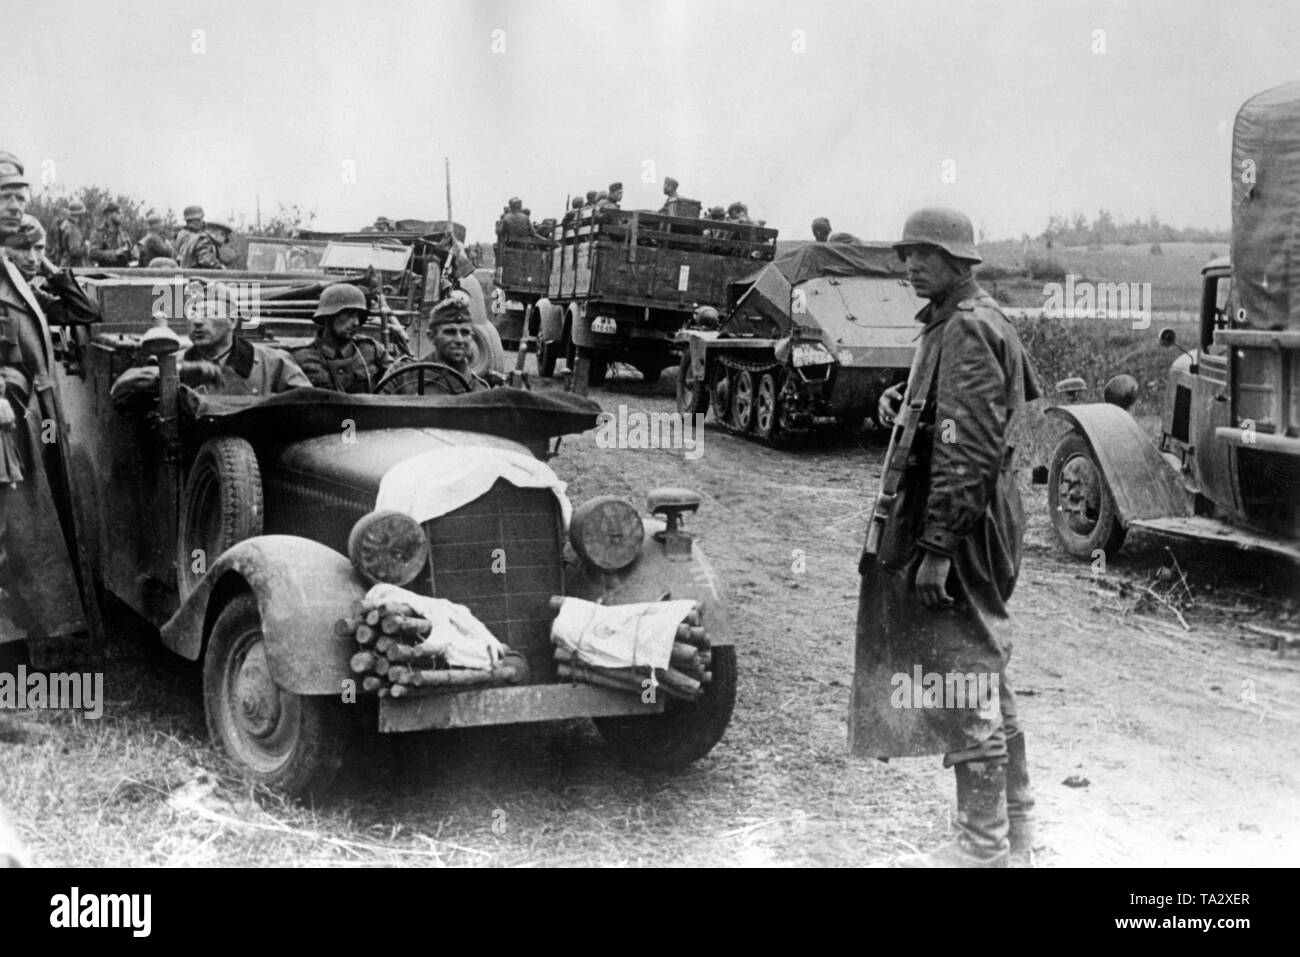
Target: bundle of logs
point(684, 678)
point(399, 656)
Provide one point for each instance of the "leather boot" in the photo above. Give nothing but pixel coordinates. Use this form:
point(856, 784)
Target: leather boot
point(981, 819)
point(1020, 798)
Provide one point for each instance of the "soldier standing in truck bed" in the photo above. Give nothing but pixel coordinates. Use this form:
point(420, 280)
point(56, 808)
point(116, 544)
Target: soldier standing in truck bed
point(933, 599)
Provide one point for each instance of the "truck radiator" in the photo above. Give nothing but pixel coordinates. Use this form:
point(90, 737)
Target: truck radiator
point(500, 556)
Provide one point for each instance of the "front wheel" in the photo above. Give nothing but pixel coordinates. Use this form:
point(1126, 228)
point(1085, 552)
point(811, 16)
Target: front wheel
point(692, 393)
point(1082, 509)
point(686, 730)
point(291, 743)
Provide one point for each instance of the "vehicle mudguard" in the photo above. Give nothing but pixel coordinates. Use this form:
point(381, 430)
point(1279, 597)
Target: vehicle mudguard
point(551, 326)
point(302, 588)
point(580, 326)
point(1141, 482)
point(696, 343)
point(651, 576)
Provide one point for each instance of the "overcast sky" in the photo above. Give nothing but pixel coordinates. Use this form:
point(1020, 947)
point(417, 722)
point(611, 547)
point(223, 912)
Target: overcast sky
point(848, 110)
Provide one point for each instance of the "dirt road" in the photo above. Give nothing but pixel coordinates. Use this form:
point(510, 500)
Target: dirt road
point(1187, 737)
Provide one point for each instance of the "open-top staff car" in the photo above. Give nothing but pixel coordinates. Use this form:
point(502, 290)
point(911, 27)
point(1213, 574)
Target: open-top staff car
point(225, 521)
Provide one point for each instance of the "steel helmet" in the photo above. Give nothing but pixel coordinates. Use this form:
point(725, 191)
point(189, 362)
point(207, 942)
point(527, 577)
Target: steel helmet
point(338, 297)
point(76, 208)
point(193, 212)
point(706, 317)
point(948, 229)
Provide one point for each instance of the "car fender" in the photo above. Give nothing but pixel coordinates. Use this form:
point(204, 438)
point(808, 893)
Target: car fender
point(302, 588)
point(1141, 482)
point(651, 576)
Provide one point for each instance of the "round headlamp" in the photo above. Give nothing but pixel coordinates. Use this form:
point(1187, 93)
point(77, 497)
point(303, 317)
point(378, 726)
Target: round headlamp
point(606, 532)
point(388, 547)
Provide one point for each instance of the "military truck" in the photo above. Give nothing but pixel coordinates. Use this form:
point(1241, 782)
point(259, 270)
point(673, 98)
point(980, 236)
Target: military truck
point(811, 338)
point(623, 282)
point(521, 277)
point(225, 521)
point(1227, 465)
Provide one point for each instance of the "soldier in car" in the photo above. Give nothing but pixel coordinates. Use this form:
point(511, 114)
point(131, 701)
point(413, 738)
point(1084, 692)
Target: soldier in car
point(111, 244)
point(59, 295)
point(193, 216)
point(453, 334)
point(220, 361)
point(339, 358)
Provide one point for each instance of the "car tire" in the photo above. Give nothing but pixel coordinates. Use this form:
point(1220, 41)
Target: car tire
point(1079, 501)
point(686, 730)
point(222, 506)
point(489, 355)
point(291, 743)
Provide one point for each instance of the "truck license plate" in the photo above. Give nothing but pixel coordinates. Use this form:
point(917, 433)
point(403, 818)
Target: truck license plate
point(604, 324)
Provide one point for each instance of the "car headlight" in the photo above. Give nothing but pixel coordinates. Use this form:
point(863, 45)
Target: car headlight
point(388, 547)
point(606, 532)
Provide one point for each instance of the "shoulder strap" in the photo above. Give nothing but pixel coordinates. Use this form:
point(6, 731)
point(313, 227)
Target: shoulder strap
point(918, 390)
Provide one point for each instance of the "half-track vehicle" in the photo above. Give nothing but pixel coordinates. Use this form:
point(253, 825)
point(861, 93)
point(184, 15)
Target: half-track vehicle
point(813, 337)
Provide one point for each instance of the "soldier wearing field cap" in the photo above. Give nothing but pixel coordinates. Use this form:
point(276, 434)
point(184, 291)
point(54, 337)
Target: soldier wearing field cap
point(58, 294)
point(339, 358)
point(452, 329)
point(942, 561)
point(612, 198)
point(110, 245)
point(45, 589)
point(72, 248)
point(152, 245)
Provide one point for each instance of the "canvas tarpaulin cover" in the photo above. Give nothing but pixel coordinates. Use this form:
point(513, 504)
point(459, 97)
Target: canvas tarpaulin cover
point(1266, 208)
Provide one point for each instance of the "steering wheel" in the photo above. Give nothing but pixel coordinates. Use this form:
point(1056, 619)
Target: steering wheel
point(398, 381)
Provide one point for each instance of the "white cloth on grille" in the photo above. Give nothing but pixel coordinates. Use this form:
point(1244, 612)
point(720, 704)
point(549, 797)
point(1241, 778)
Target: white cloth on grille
point(620, 636)
point(463, 641)
point(439, 481)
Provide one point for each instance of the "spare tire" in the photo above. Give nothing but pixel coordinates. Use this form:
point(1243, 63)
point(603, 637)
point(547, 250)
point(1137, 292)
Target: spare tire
point(222, 506)
point(488, 355)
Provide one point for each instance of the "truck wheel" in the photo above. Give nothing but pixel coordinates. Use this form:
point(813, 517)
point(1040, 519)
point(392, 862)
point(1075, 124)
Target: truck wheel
point(686, 731)
point(1082, 509)
point(742, 401)
point(285, 741)
point(222, 506)
point(488, 355)
point(692, 393)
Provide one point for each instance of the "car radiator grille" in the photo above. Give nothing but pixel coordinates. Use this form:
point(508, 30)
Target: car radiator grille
point(500, 556)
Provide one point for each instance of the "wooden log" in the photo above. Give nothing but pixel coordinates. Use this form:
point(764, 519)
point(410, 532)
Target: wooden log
point(359, 608)
point(556, 603)
point(684, 653)
point(632, 683)
point(406, 626)
point(385, 645)
point(387, 608)
point(425, 678)
point(373, 616)
point(410, 654)
point(695, 616)
point(365, 635)
point(397, 691)
point(399, 674)
point(381, 665)
point(685, 686)
point(372, 683)
point(363, 662)
point(345, 627)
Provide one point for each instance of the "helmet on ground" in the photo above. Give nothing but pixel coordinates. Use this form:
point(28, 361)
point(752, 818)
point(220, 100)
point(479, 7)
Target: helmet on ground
point(338, 297)
point(947, 229)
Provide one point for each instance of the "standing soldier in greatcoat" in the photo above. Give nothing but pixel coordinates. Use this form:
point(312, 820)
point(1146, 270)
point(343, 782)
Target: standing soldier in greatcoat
point(45, 589)
point(73, 246)
point(945, 551)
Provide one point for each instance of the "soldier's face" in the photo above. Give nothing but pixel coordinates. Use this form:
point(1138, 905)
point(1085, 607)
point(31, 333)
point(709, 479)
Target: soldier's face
point(211, 327)
point(22, 255)
point(451, 341)
point(344, 324)
point(930, 271)
point(13, 203)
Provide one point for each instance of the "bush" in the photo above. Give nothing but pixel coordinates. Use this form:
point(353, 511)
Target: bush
point(1045, 268)
point(991, 272)
point(1155, 250)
